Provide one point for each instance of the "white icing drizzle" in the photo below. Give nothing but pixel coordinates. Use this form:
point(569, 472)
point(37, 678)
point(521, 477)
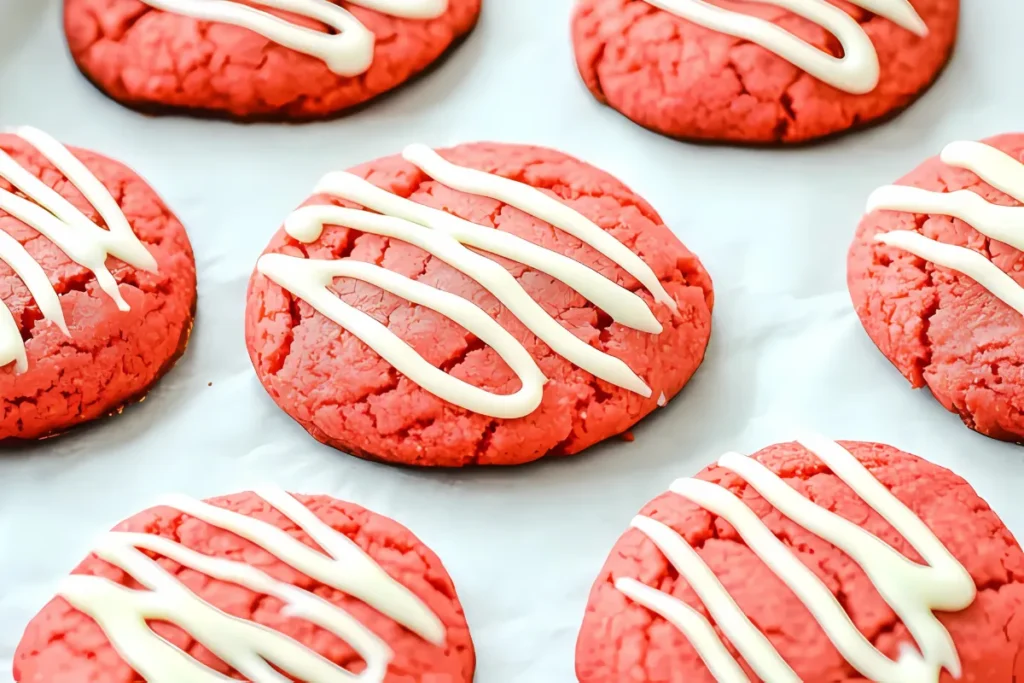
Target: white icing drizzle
point(914, 591)
point(1002, 223)
point(84, 242)
point(248, 647)
point(534, 202)
point(856, 72)
point(309, 279)
point(347, 52)
point(447, 237)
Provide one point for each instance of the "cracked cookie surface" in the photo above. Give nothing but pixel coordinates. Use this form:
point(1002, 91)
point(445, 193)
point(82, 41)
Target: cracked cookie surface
point(940, 328)
point(158, 61)
point(112, 357)
point(622, 641)
point(347, 396)
point(690, 82)
point(63, 645)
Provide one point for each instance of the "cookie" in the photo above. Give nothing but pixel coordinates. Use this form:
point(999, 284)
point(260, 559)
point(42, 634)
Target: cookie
point(934, 273)
point(510, 303)
point(291, 60)
point(97, 286)
point(241, 585)
point(810, 561)
point(759, 73)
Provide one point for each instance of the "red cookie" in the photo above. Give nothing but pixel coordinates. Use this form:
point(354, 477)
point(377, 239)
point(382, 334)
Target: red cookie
point(929, 315)
point(370, 599)
point(249, 61)
point(475, 391)
point(966, 601)
point(97, 286)
point(687, 80)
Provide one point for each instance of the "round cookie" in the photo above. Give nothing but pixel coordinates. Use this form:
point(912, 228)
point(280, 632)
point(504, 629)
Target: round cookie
point(748, 621)
point(249, 61)
point(369, 599)
point(936, 282)
point(485, 355)
point(97, 286)
point(683, 78)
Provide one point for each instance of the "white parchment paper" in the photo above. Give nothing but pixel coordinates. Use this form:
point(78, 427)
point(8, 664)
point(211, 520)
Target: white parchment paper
point(523, 545)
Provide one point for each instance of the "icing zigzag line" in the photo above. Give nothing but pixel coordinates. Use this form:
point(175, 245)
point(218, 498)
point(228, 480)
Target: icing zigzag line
point(449, 238)
point(857, 71)
point(347, 52)
point(914, 591)
point(1002, 223)
point(84, 242)
point(250, 648)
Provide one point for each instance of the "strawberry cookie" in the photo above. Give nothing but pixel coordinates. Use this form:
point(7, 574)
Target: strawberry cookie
point(765, 72)
point(485, 304)
point(288, 60)
point(810, 561)
point(250, 587)
point(935, 272)
point(97, 286)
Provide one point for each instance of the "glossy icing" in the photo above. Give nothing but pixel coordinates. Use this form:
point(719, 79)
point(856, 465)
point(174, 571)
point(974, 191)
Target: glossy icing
point(250, 648)
point(449, 238)
point(84, 242)
point(348, 51)
point(857, 71)
point(914, 591)
point(999, 222)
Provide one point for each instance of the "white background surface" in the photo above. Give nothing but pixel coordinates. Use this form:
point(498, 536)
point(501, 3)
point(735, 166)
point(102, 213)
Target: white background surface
point(523, 545)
